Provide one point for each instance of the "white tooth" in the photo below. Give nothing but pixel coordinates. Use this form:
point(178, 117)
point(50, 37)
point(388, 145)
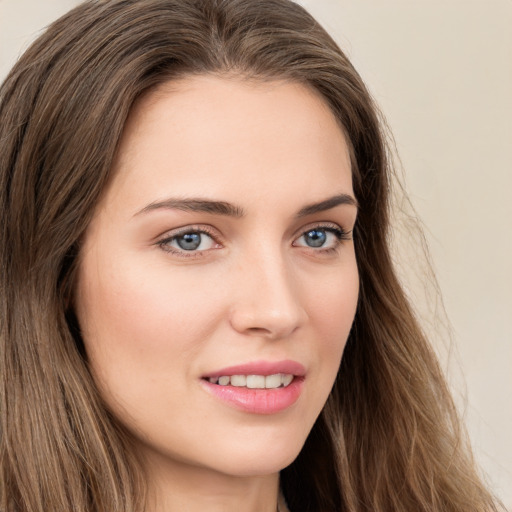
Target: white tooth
point(256, 381)
point(287, 379)
point(273, 381)
point(224, 381)
point(238, 380)
point(213, 380)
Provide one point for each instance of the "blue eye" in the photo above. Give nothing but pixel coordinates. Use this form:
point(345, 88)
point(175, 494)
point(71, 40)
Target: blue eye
point(189, 241)
point(192, 241)
point(315, 237)
point(323, 238)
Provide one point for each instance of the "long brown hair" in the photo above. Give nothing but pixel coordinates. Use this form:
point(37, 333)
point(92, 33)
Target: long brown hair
point(388, 438)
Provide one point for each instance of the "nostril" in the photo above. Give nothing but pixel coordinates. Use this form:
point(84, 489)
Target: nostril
point(259, 330)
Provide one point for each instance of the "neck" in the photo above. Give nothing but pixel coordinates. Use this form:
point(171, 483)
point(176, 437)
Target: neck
point(181, 487)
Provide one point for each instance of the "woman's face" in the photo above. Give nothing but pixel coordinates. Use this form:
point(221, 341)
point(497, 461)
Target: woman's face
point(218, 280)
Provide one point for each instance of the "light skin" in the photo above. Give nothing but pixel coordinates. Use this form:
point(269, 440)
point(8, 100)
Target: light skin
point(224, 238)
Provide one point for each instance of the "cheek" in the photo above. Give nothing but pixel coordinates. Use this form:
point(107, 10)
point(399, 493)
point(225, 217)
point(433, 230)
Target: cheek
point(331, 311)
point(139, 321)
point(333, 307)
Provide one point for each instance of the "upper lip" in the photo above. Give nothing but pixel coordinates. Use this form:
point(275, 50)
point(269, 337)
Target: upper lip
point(287, 366)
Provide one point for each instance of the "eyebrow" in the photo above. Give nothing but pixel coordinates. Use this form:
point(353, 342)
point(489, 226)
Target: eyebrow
point(230, 210)
point(196, 205)
point(327, 204)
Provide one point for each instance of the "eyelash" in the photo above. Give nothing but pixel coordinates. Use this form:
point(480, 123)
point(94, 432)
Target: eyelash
point(340, 234)
point(204, 230)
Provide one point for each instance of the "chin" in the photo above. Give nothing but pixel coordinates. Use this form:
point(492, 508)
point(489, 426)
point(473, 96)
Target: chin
point(265, 464)
point(267, 457)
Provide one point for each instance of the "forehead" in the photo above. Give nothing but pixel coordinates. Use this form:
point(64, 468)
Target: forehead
point(228, 135)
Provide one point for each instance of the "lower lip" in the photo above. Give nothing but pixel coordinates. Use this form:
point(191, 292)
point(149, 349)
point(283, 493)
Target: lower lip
point(258, 401)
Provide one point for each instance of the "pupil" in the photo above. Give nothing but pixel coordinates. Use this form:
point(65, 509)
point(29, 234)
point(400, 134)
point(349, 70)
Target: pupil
point(189, 241)
point(315, 238)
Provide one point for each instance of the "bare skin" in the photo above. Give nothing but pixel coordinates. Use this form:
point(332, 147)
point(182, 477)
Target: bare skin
point(225, 238)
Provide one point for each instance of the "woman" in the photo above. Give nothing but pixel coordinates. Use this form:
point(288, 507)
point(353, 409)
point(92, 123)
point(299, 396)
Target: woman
point(199, 309)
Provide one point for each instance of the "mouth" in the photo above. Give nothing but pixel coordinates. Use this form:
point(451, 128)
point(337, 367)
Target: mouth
point(258, 388)
point(275, 381)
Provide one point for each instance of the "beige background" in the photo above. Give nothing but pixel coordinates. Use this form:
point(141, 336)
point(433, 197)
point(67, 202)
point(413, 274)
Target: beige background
point(442, 72)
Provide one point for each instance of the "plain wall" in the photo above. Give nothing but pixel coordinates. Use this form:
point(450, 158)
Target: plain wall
point(441, 71)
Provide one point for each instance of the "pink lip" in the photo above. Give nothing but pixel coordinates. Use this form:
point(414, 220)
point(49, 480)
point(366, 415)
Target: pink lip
point(259, 401)
point(261, 368)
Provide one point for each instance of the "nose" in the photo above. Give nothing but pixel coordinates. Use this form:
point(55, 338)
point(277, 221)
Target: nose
point(267, 302)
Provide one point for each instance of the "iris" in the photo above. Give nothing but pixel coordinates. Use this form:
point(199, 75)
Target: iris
point(189, 241)
point(315, 237)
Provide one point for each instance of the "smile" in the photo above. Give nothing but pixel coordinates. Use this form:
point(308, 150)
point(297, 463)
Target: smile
point(260, 387)
point(278, 380)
